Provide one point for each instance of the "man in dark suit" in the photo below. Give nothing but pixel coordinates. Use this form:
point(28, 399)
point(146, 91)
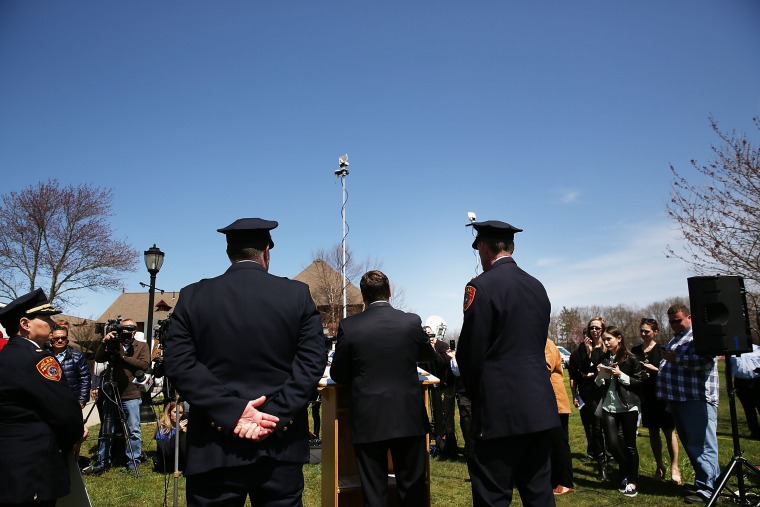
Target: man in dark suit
point(40, 418)
point(246, 349)
point(377, 353)
point(503, 368)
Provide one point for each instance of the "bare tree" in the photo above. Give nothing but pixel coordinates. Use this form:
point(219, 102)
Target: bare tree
point(59, 237)
point(719, 212)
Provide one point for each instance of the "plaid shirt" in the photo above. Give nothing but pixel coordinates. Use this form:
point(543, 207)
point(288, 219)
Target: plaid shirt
point(691, 376)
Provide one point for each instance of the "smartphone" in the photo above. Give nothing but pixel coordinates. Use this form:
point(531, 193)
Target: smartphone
point(452, 344)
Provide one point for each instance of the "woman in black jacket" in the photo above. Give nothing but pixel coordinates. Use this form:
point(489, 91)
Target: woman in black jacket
point(620, 373)
point(586, 394)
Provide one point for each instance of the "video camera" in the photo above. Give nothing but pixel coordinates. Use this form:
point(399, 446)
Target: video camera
point(123, 331)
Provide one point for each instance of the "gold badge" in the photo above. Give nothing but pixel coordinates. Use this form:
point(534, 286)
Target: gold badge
point(49, 368)
point(469, 296)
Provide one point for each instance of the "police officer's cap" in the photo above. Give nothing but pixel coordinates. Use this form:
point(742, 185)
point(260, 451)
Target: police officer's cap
point(249, 232)
point(493, 229)
point(29, 305)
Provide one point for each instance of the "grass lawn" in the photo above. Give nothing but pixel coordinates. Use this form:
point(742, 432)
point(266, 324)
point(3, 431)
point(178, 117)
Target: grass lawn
point(449, 486)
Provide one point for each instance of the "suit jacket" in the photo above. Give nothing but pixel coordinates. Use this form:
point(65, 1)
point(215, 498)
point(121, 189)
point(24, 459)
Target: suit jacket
point(236, 337)
point(376, 354)
point(501, 353)
point(40, 420)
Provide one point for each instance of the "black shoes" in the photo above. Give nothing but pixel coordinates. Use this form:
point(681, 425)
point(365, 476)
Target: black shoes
point(94, 470)
point(696, 499)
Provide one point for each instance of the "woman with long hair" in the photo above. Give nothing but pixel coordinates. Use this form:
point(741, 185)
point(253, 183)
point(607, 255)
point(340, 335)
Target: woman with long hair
point(165, 437)
point(620, 374)
point(586, 395)
point(654, 415)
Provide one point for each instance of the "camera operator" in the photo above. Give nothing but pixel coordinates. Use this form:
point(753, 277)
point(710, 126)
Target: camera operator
point(125, 356)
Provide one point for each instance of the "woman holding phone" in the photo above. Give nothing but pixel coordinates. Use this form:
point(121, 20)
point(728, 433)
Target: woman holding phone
point(654, 416)
point(620, 374)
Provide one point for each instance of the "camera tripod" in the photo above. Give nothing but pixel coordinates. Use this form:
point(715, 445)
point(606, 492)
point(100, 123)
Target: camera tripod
point(738, 465)
point(114, 409)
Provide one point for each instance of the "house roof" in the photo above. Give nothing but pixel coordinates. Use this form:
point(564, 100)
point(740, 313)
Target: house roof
point(324, 281)
point(134, 305)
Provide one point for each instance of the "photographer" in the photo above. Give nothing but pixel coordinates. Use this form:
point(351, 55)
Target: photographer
point(125, 356)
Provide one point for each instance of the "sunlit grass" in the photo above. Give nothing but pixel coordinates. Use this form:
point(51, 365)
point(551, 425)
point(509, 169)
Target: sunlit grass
point(449, 486)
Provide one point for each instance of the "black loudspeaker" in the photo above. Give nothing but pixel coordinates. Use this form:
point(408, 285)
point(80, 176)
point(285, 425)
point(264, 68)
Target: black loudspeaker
point(719, 317)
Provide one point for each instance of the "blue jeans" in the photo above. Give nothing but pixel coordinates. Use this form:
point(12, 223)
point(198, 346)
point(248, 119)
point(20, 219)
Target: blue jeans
point(697, 424)
point(132, 418)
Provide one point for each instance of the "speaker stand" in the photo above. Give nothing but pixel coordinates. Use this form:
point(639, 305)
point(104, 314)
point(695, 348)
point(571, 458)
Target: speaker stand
point(738, 465)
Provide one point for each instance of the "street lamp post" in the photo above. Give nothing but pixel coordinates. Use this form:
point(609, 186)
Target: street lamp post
point(154, 258)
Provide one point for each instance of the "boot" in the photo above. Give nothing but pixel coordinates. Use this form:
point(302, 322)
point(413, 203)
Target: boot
point(602, 476)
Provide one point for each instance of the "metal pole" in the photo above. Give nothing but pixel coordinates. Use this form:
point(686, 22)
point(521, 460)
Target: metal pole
point(149, 324)
point(343, 243)
point(147, 414)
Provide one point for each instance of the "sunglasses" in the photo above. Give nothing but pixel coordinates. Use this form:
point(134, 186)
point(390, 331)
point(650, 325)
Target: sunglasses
point(595, 328)
point(648, 321)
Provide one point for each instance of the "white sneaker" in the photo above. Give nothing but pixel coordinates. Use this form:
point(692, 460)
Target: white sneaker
point(630, 491)
point(623, 485)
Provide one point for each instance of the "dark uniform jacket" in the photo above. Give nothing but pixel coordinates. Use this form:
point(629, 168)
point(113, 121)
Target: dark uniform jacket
point(236, 337)
point(40, 420)
point(501, 353)
point(377, 353)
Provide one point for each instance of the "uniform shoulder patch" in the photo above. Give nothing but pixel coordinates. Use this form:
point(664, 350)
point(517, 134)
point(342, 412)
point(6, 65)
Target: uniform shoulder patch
point(469, 296)
point(49, 368)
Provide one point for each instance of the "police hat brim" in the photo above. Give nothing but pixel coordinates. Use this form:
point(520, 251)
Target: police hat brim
point(31, 305)
point(249, 231)
point(493, 229)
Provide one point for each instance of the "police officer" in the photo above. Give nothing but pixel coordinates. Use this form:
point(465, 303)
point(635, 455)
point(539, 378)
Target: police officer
point(502, 365)
point(246, 350)
point(40, 418)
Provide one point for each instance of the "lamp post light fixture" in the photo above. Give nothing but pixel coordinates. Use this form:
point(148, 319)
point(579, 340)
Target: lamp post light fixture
point(154, 259)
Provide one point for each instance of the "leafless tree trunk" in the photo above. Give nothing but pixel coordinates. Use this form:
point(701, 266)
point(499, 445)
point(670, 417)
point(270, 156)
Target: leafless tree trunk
point(59, 238)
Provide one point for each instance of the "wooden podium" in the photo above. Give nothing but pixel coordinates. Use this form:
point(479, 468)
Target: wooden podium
point(341, 486)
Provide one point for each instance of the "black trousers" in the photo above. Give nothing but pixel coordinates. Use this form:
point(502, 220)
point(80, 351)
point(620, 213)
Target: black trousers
point(269, 483)
point(444, 399)
point(623, 449)
point(408, 455)
point(562, 461)
point(465, 423)
point(748, 392)
point(501, 464)
point(594, 431)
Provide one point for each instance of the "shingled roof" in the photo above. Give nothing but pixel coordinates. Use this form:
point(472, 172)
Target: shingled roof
point(134, 305)
point(318, 274)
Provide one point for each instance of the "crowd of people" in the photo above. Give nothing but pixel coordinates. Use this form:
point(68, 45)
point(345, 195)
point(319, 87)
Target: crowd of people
point(245, 350)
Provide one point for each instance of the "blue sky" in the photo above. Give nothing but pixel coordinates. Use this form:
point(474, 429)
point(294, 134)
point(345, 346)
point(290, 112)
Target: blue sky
point(559, 117)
